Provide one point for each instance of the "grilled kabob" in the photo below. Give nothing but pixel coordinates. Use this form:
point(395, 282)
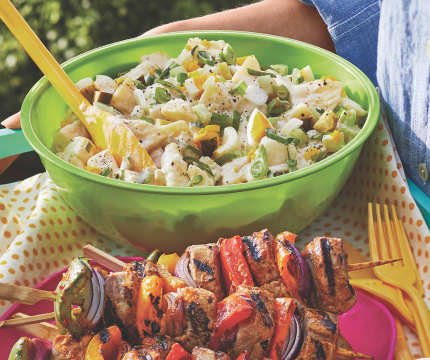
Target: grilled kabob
point(146, 301)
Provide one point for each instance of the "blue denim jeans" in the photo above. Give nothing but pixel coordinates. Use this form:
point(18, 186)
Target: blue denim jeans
point(389, 41)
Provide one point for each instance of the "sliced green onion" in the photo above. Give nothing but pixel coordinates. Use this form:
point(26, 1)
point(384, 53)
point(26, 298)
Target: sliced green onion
point(319, 136)
point(205, 58)
point(105, 172)
point(177, 70)
point(236, 120)
point(226, 157)
point(169, 85)
point(195, 180)
point(281, 69)
point(228, 55)
point(320, 110)
point(239, 89)
point(199, 164)
point(338, 110)
point(194, 50)
point(202, 113)
point(259, 73)
point(239, 153)
point(147, 119)
point(221, 56)
point(281, 92)
point(197, 124)
point(164, 73)
point(222, 120)
point(158, 71)
point(181, 78)
point(292, 163)
point(266, 67)
point(275, 111)
point(194, 150)
point(274, 119)
point(149, 79)
point(89, 147)
point(173, 65)
point(297, 77)
point(162, 95)
point(139, 84)
point(260, 168)
point(272, 134)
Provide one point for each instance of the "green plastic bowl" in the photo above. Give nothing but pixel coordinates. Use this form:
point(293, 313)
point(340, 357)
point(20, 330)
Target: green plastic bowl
point(172, 218)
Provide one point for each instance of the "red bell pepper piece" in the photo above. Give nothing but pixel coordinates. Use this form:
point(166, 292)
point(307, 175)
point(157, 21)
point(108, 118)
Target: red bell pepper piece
point(286, 235)
point(284, 308)
point(178, 353)
point(235, 269)
point(232, 310)
point(243, 356)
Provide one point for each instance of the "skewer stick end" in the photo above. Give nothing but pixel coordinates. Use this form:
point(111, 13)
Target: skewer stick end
point(353, 354)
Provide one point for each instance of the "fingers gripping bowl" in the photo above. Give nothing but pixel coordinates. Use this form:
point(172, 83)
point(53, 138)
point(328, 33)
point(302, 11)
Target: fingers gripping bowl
point(172, 218)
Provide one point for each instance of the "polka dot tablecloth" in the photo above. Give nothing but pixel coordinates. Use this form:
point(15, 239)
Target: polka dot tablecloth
point(40, 233)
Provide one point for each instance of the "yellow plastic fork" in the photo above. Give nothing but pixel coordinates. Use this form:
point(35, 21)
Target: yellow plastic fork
point(399, 274)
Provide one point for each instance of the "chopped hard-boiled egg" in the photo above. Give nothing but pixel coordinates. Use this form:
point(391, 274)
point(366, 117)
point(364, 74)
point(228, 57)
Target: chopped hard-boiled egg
point(257, 125)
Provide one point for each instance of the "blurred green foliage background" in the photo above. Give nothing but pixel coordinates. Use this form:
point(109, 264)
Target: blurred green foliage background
point(71, 27)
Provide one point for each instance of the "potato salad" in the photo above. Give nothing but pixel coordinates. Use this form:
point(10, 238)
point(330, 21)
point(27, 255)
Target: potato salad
point(210, 118)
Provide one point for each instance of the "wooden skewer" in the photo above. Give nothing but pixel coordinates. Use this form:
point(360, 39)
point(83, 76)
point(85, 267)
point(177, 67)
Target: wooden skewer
point(352, 354)
point(370, 264)
point(35, 319)
point(43, 330)
point(29, 296)
point(102, 258)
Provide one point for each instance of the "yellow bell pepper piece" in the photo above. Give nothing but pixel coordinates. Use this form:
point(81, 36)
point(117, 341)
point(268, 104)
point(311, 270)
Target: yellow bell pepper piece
point(93, 169)
point(188, 47)
point(169, 261)
point(149, 304)
point(311, 152)
point(206, 43)
point(336, 135)
point(170, 283)
point(191, 65)
point(242, 59)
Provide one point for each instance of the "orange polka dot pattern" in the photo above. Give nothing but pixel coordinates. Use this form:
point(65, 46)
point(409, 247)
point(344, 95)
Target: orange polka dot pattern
point(40, 233)
point(378, 178)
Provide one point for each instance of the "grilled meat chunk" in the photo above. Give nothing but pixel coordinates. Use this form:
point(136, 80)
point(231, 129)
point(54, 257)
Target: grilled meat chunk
point(259, 253)
point(205, 268)
point(277, 288)
point(321, 335)
point(141, 268)
point(121, 292)
point(200, 353)
point(154, 348)
point(200, 314)
point(328, 263)
point(65, 347)
point(254, 334)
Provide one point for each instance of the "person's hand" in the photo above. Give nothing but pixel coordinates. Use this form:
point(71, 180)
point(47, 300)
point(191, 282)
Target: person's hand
point(13, 122)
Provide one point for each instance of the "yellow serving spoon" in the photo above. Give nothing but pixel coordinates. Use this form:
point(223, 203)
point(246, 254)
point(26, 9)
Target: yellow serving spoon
point(106, 134)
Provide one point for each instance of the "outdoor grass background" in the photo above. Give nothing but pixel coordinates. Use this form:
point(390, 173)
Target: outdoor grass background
point(71, 27)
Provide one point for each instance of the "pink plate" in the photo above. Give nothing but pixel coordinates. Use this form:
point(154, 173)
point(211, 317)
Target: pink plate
point(368, 326)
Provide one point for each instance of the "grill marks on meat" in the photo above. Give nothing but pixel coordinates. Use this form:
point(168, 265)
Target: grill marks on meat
point(121, 291)
point(65, 347)
point(141, 268)
point(328, 263)
point(200, 353)
point(200, 314)
point(205, 268)
point(325, 246)
point(154, 348)
point(259, 253)
point(254, 334)
point(321, 335)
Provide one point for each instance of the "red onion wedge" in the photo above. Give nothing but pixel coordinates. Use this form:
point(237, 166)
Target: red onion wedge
point(304, 277)
point(42, 349)
point(182, 270)
point(94, 298)
point(174, 315)
point(293, 341)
